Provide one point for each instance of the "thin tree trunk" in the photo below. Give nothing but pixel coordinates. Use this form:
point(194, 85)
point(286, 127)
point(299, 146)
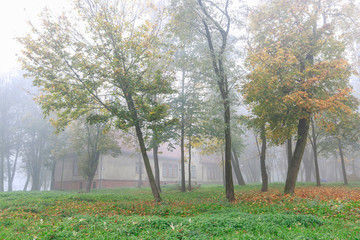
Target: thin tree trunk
point(343, 163)
point(52, 181)
point(189, 186)
point(314, 145)
point(236, 168)
point(27, 181)
point(303, 129)
point(182, 140)
point(156, 166)
point(239, 175)
point(9, 177)
point(62, 174)
point(13, 171)
point(264, 175)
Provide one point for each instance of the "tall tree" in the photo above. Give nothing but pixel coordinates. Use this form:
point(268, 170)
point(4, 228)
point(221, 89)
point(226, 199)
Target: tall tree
point(105, 55)
point(298, 68)
point(212, 25)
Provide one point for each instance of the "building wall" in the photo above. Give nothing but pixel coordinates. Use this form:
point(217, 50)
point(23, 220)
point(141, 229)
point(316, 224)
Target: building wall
point(124, 171)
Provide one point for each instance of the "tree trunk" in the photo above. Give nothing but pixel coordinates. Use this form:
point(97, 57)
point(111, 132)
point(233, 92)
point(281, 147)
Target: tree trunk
point(293, 170)
point(217, 58)
point(62, 174)
point(308, 159)
point(241, 180)
point(343, 163)
point(189, 183)
point(314, 145)
point(26, 182)
point(13, 170)
point(35, 183)
point(182, 140)
point(52, 181)
point(289, 151)
point(149, 172)
point(132, 109)
point(264, 175)
point(229, 186)
point(237, 170)
point(89, 181)
point(156, 166)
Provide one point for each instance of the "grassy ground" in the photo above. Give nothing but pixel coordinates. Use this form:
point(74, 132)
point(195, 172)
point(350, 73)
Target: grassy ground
point(328, 212)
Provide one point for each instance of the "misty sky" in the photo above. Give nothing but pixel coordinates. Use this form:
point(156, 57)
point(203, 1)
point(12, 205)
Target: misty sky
point(13, 17)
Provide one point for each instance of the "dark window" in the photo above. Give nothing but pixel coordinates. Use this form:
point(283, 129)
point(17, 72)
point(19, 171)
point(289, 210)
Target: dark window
point(80, 185)
point(94, 184)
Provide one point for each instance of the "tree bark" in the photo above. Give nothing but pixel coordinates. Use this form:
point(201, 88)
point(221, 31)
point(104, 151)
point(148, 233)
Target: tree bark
point(264, 175)
point(293, 170)
point(343, 163)
point(156, 166)
point(314, 145)
point(289, 151)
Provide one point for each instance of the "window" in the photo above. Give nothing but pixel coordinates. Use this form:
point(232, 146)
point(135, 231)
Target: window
point(76, 168)
point(94, 184)
point(212, 172)
point(170, 170)
point(80, 187)
point(193, 171)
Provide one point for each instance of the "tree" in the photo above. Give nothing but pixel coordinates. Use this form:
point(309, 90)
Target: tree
point(90, 141)
point(104, 57)
point(342, 131)
point(38, 143)
point(313, 140)
point(298, 68)
point(212, 20)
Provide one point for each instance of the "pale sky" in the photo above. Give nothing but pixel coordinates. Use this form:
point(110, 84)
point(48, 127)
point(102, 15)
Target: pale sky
point(13, 17)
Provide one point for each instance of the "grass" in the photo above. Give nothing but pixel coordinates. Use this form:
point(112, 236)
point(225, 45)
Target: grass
point(328, 212)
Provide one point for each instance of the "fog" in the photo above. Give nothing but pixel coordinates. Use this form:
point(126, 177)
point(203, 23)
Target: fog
point(80, 102)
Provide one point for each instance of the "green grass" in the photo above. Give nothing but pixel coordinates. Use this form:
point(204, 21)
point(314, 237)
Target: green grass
point(330, 212)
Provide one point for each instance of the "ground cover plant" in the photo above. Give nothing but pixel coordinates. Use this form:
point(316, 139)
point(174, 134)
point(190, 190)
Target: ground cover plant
point(327, 212)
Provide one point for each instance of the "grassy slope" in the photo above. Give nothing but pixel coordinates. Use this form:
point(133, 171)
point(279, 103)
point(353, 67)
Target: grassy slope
point(329, 212)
